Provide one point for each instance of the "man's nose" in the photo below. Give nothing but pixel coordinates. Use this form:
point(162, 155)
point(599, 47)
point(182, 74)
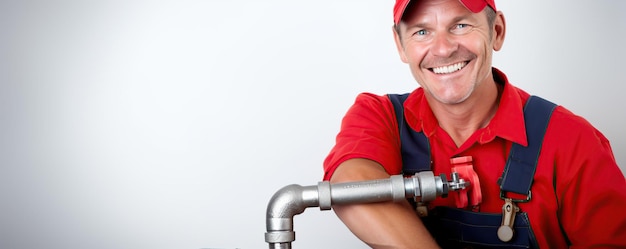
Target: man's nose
point(443, 44)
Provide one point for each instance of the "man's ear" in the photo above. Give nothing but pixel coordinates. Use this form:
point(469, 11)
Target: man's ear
point(399, 44)
point(499, 31)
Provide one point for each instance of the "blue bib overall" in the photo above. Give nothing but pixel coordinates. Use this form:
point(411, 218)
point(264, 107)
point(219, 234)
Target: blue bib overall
point(459, 228)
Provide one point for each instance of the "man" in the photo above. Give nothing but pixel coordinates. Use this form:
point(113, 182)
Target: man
point(468, 110)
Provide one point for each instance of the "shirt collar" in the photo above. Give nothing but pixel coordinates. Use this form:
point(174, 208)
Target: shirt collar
point(508, 123)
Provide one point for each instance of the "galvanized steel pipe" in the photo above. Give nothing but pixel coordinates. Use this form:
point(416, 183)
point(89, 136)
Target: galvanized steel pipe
point(293, 199)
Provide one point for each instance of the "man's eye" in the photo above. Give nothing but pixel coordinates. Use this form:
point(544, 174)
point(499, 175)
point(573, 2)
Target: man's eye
point(421, 32)
point(461, 28)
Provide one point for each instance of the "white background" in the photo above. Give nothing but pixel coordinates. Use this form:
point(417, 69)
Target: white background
point(170, 124)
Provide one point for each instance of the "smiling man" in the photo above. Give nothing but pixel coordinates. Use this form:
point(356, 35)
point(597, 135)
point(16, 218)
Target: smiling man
point(532, 187)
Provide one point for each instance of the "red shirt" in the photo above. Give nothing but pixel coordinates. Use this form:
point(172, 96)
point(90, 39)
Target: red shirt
point(577, 188)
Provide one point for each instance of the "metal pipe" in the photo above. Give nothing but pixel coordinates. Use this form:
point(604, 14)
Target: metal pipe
point(293, 199)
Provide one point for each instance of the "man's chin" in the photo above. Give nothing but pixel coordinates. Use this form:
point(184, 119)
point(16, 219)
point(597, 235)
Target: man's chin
point(450, 99)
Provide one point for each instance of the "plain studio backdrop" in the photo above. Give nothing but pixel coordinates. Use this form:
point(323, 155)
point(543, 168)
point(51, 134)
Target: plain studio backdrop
point(170, 124)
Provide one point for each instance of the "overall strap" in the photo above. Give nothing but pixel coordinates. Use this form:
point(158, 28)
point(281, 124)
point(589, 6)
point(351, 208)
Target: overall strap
point(522, 162)
point(414, 145)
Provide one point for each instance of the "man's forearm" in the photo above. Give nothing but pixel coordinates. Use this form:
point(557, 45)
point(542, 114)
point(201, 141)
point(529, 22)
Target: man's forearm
point(380, 225)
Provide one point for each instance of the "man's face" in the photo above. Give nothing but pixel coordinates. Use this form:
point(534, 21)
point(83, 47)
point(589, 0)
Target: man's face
point(448, 48)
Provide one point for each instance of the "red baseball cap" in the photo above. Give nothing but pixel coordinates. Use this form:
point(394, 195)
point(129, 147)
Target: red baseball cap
point(472, 5)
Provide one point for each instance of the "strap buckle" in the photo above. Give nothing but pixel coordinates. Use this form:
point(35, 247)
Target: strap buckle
point(528, 197)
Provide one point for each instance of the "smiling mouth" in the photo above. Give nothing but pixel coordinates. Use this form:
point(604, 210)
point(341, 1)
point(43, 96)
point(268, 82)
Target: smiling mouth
point(449, 69)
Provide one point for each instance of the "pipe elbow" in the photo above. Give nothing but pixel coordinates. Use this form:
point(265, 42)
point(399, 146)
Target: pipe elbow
point(282, 207)
point(286, 202)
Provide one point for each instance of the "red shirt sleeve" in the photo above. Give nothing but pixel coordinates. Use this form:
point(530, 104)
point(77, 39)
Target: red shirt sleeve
point(368, 130)
point(590, 188)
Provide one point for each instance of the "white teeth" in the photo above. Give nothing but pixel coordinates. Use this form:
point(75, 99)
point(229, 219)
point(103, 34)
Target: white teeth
point(449, 69)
